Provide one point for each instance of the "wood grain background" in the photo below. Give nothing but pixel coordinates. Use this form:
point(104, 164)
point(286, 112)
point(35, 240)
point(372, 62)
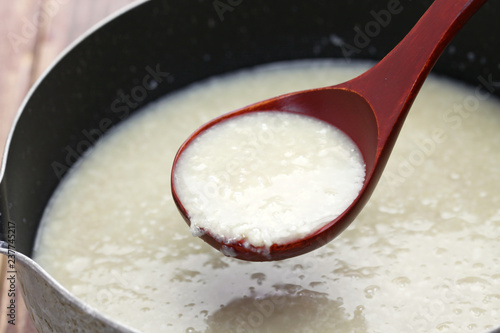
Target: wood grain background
point(32, 34)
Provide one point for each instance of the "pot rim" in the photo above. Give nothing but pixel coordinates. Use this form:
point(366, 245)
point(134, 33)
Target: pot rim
point(41, 78)
point(4, 245)
point(67, 296)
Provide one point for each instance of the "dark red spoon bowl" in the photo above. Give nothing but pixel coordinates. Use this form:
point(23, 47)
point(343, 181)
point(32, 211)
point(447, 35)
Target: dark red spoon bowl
point(370, 109)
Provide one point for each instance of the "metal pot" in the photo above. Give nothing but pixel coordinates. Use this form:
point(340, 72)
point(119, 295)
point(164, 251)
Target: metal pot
point(161, 46)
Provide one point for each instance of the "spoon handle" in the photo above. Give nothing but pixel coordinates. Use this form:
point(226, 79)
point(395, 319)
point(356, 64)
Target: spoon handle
point(392, 85)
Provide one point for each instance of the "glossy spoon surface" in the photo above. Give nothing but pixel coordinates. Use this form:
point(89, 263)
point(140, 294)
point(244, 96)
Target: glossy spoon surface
point(370, 109)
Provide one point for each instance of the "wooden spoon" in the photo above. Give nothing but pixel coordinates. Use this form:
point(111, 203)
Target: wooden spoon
point(370, 108)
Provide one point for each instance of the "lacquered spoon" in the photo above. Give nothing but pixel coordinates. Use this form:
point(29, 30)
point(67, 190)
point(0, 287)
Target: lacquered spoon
point(370, 108)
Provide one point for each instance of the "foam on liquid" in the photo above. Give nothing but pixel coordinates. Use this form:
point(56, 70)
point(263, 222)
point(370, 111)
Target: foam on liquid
point(268, 178)
point(421, 257)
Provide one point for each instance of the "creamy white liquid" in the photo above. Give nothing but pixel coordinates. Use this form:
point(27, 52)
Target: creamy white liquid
point(268, 178)
point(423, 256)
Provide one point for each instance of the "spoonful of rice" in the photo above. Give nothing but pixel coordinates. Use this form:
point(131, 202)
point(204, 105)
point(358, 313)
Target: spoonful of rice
point(285, 176)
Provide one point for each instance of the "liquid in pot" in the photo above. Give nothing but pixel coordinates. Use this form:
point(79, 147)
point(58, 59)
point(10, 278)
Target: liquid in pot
point(421, 257)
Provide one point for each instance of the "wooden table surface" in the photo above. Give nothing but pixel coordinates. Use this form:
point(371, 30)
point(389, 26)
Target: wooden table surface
point(32, 34)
